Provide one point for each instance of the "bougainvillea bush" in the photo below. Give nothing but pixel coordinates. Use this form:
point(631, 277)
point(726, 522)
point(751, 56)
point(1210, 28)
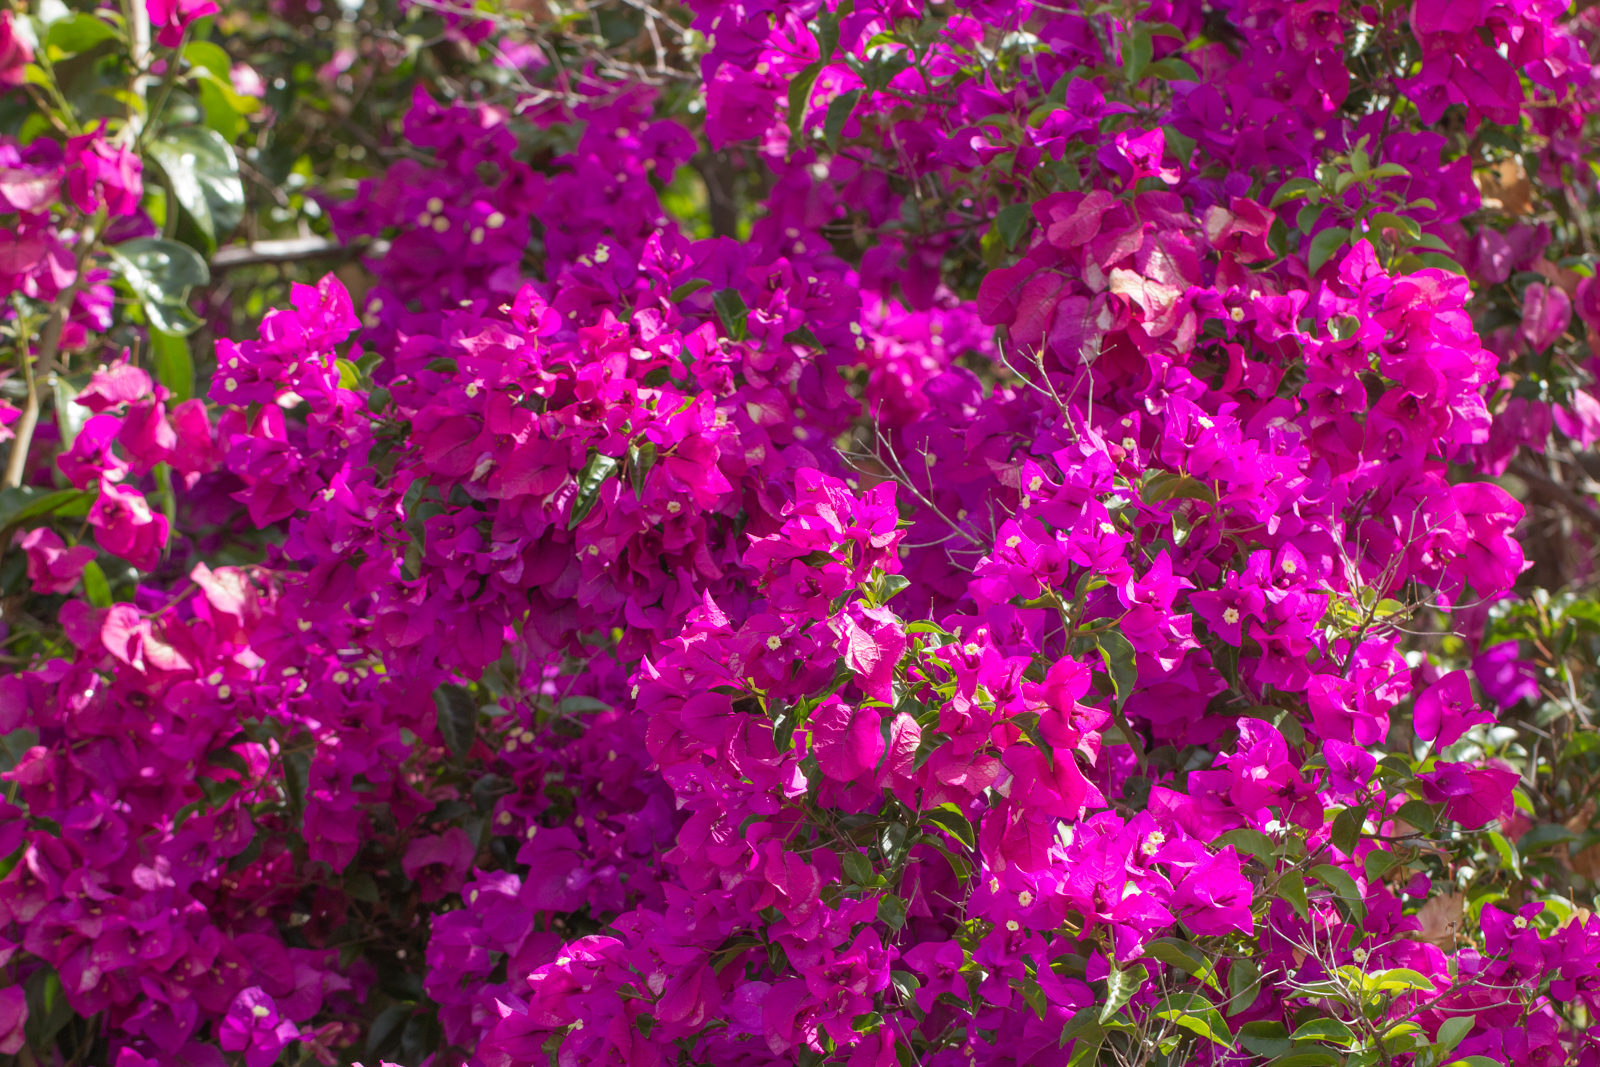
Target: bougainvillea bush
point(880, 533)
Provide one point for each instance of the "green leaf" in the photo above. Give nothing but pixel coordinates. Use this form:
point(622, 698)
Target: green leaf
point(1253, 842)
point(1244, 983)
point(1172, 69)
point(1184, 956)
point(70, 417)
point(1378, 863)
point(1292, 888)
point(19, 504)
point(1325, 1029)
point(892, 912)
point(1417, 813)
point(95, 586)
point(949, 817)
point(1013, 222)
point(1265, 1037)
point(1452, 1032)
point(800, 96)
point(79, 33)
point(1324, 245)
point(1388, 220)
point(360, 885)
point(458, 717)
point(1167, 485)
point(1509, 859)
point(732, 311)
point(221, 114)
point(204, 176)
point(858, 868)
point(1307, 1058)
point(1137, 48)
point(1346, 833)
point(1117, 653)
point(173, 364)
point(1402, 978)
point(1294, 189)
point(590, 479)
point(161, 273)
point(1121, 985)
point(838, 114)
point(1197, 1015)
point(1476, 1061)
point(641, 458)
point(688, 289)
point(1344, 887)
point(204, 55)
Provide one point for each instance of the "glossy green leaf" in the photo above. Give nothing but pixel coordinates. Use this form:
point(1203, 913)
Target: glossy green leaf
point(594, 474)
point(203, 173)
point(161, 273)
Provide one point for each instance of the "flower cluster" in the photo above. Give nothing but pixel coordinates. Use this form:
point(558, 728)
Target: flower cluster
point(974, 618)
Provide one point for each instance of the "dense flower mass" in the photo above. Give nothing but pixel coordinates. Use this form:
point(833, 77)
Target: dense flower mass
point(1026, 576)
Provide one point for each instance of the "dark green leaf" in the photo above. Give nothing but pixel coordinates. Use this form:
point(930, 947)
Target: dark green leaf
point(1012, 222)
point(892, 912)
point(1265, 1037)
point(1344, 887)
point(1346, 831)
point(1324, 245)
point(296, 777)
point(949, 817)
point(800, 96)
point(732, 311)
point(161, 273)
point(1253, 842)
point(203, 174)
point(858, 868)
point(1137, 48)
point(1119, 657)
point(641, 458)
point(590, 479)
point(688, 289)
point(361, 886)
point(1417, 813)
point(458, 717)
point(1244, 985)
point(21, 503)
point(838, 114)
point(1292, 887)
